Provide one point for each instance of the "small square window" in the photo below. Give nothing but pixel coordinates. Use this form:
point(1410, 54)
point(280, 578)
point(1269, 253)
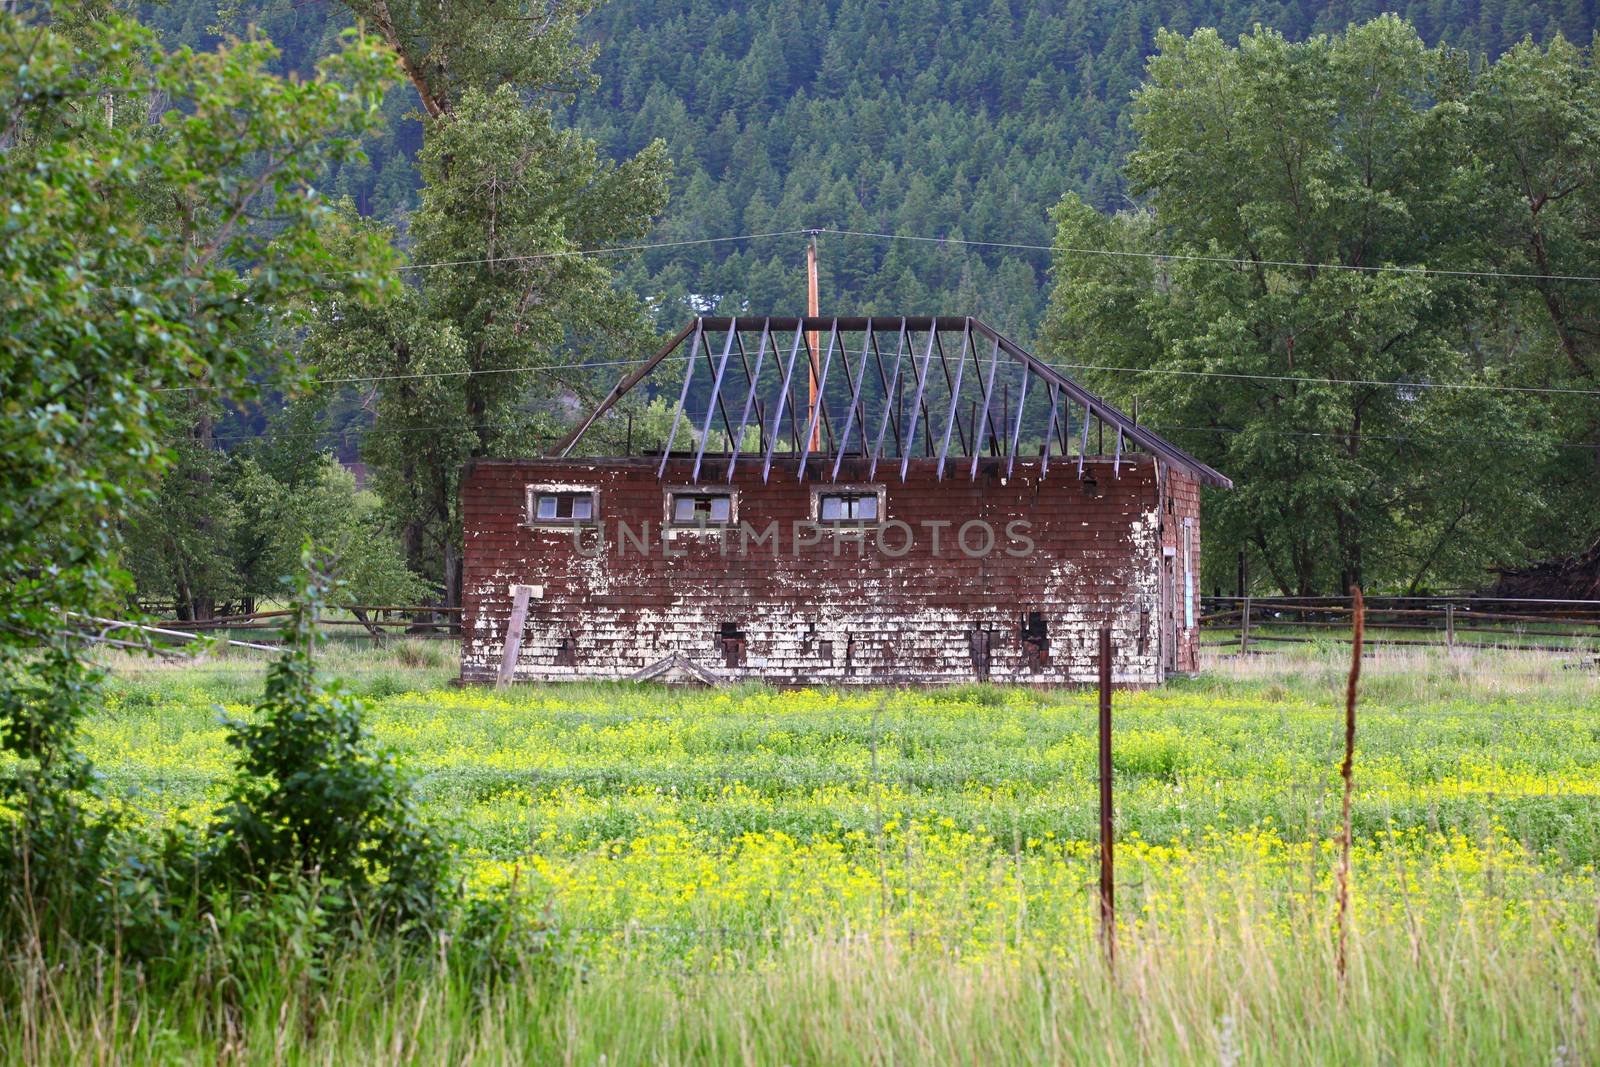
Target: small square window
point(847, 507)
point(561, 506)
point(702, 509)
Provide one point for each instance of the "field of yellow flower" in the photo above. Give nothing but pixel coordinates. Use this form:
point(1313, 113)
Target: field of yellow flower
point(702, 824)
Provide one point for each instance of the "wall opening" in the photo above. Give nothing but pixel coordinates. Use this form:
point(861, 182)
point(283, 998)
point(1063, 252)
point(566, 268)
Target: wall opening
point(562, 506)
point(1034, 636)
point(567, 652)
point(978, 646)
point(731, 640)
point(701, 508)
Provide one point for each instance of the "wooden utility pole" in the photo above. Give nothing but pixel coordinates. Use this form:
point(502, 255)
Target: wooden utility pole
point(813, 309)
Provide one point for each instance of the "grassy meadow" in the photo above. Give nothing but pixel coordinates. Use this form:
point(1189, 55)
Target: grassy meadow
point(827, 876)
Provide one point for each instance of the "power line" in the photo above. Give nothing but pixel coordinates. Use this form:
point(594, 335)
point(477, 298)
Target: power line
point(601, 251)
point(1234, 261)
point(363, 430)
point(1475, 386)
point(358, 379)
point(1187, 257)
point(1305, 379)
point(1224, 260)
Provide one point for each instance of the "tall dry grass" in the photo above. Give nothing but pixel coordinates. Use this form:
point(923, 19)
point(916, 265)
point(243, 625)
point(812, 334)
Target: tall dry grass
point(1414, 676)
point(1217, 993)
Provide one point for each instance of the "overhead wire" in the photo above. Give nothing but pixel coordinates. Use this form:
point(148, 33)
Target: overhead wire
point(1235, 261)
point(1116, 253)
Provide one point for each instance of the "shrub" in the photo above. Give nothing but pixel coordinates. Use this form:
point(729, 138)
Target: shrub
point(316, 797)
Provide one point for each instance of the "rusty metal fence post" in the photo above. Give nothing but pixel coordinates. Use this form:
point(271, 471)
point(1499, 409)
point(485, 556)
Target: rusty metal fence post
point(1108, 900)
point(1358, 618)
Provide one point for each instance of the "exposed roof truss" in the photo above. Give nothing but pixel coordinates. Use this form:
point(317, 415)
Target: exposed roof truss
point(888, 389)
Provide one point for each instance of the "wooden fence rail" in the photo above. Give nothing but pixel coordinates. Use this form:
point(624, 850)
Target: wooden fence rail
point(1276, 623)
point(370, 621)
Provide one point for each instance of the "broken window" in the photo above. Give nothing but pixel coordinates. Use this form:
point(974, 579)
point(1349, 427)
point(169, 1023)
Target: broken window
point(847, 507)
point(575, 506)
point(702, 509)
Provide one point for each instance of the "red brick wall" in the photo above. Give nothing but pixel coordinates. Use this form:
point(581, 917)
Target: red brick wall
point(839, 612)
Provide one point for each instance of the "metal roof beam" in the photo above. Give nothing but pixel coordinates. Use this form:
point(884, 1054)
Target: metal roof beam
point(911, 436)
point(855, 403)
point(783, 397)
point(822, 381)
point(621, 389)
point(889, 386)
point(677, 414)
point(955, 402)
point(983, 420)
point(750, 401)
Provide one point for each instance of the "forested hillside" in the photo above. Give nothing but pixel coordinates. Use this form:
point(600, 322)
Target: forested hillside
point(931, 141)
point(943, 118)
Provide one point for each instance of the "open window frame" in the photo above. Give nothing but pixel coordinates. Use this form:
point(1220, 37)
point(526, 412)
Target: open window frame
point(573, 499)
point(862, 498)
point(706, 510)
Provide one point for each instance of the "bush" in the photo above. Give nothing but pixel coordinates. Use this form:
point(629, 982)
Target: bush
point(316, 797)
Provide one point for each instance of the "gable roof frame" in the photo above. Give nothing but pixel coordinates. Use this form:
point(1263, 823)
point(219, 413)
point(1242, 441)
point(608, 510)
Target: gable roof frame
point(1063, 391)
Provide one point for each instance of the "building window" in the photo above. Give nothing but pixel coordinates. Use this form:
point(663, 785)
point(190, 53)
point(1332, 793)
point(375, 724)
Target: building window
point(562, 506)
point(847, 506)
point(700, 507)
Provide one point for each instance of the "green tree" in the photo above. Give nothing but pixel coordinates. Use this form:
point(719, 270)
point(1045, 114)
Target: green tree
point(1300, 166)
point(459, 361)
point(359, 553)
point(1534, 118)
point(447, 49)
point(132, 268)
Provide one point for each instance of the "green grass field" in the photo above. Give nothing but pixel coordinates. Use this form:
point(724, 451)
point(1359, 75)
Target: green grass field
point(837, 876)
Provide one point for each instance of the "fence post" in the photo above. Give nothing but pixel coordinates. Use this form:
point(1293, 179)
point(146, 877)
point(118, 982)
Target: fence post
point(1450, 625)
point(1358, 616)
point(1108, 900)
point(1244, 628)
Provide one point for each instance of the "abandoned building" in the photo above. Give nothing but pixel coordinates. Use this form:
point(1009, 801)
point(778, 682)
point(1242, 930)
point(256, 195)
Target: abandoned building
point(839, 501)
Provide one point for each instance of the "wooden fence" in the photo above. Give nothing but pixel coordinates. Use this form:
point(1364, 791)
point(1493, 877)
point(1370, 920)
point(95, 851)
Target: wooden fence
point(364, 622)
point(1253, 625)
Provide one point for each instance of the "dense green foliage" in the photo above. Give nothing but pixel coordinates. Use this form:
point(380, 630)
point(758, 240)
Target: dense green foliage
point(942, 118)
point(468, 361)
point(146, 260)
point(257, 515)
point(314, 798)
point(131, 279)
point(1360, 151)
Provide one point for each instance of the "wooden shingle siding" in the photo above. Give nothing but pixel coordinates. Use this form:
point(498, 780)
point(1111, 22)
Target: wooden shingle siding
point(841, 611)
